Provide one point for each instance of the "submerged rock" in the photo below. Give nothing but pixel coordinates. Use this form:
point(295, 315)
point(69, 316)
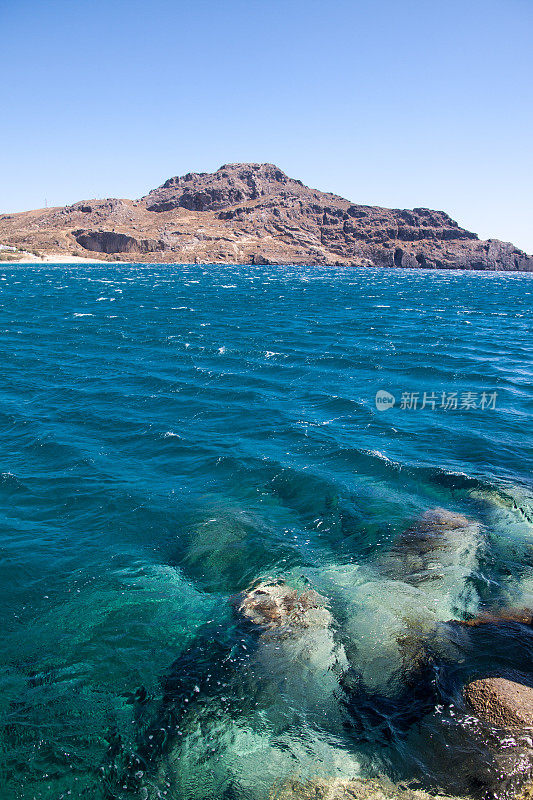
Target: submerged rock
point(508, 514)
point(276, 605)
point(502, 702)
point(323, 789)
point(297, 649)
point(391, 613)
point(440, 539)
point(522, 616)
point(295, 628)
point(439, 554)
point(259, 704)
point(238, 760)
point(225, 546)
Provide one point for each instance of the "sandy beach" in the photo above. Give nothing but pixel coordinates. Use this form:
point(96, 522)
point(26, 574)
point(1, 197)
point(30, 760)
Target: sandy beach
point(53, 258)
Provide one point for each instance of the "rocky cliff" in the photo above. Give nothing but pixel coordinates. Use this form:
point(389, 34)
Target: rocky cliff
point(254, 213)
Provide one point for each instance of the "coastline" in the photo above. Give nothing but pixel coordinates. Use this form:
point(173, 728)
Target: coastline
point(253, 213)
point(29, 258)
point(51, 258)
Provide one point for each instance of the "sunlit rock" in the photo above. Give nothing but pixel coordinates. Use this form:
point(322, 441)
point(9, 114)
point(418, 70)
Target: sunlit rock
point(298, 650)
point(336, 789)
point(501, 702)
point(275, 605)
point(498, 618)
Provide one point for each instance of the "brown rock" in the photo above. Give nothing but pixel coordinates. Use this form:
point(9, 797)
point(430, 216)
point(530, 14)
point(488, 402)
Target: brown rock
point(441, 543)
point(274, 605)
point(338, 789)
point(522, 616)
point(503, 703)
point(254, 213)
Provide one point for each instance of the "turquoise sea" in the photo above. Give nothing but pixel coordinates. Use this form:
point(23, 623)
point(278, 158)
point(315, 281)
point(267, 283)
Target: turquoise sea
point(170, 436)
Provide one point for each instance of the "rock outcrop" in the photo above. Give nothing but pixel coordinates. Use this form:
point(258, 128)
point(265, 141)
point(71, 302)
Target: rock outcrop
point(501, 702)
point(505, 616)
point(335, 789)
point(504, 711)
point(255, 214)
point(111, 242)
point(297, 647)
point(275, 606)
point(229, 186)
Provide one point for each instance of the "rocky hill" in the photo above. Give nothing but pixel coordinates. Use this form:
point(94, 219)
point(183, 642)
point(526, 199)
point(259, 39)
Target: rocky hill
point(254, 213)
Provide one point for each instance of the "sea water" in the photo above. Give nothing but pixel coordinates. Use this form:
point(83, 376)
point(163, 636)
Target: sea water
point(170, 436)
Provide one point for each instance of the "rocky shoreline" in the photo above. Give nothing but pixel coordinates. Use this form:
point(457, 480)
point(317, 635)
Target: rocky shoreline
point(473, 719)
point(254, 214)
point(503, 708)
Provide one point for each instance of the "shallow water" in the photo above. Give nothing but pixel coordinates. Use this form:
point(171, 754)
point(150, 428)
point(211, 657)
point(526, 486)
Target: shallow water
point(169, 435)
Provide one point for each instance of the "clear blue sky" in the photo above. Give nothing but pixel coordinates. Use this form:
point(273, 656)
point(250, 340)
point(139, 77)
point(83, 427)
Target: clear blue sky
point(411, 103)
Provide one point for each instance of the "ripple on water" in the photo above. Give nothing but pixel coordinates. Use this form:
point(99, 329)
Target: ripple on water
point(218, 428)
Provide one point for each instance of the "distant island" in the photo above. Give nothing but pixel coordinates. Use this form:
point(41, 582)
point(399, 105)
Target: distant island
point(252, 214)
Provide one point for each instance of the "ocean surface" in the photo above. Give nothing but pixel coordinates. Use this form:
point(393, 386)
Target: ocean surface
point(170, 436)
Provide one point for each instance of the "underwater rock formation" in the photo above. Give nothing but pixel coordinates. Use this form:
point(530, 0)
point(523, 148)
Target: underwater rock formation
point(320, 789)
point(439, 553)
point(273, 605)
point(223, 547)
point(266, 688)
point(389, 612)
point(275, 689)
point(297, 647)
point(280, 683)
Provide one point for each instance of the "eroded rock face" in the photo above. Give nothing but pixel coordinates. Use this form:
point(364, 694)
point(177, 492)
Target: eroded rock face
point(501, 702)
point(228, 186)
point(111, 242)
point(255, 214)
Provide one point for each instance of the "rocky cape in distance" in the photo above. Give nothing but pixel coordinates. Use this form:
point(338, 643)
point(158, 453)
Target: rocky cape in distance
point(254, 214)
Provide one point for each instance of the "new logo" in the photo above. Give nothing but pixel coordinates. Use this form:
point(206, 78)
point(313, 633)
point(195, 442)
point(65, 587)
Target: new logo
point(384, 400)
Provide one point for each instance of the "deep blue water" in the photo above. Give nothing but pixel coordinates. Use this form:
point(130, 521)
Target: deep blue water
point(169, 435)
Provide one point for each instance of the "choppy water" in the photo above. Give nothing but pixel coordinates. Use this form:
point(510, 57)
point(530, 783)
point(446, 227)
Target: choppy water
point(169, 435)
